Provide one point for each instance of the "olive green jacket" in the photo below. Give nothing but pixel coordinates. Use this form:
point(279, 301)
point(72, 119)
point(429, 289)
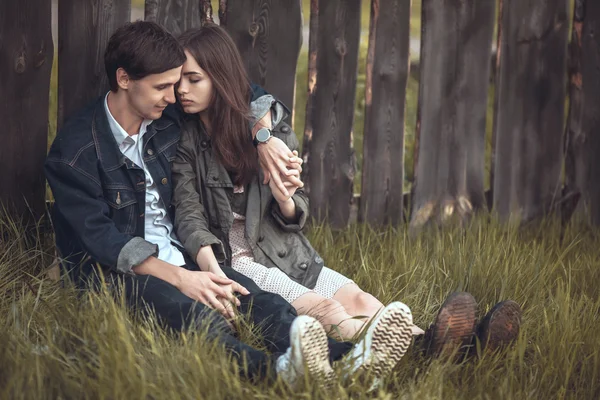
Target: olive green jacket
point(203, 214)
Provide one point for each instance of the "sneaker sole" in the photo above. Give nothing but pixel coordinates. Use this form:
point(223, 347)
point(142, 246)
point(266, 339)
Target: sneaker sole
point(500, 326)
point(315, 352)
point(454, 326)
point(389, 343)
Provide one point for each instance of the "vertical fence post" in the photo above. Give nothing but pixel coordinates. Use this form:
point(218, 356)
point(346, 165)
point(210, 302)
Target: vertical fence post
point(453, 89)
point(26, 51)
point(583, 126)
point(381, 198)
point(331, 161)
point(268, 35)
point(530, 107)
point(83, 32)
point(176, 16)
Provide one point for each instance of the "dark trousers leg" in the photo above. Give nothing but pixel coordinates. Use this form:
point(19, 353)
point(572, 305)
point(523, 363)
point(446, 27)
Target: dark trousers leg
point(275, 316)
point(178, 312)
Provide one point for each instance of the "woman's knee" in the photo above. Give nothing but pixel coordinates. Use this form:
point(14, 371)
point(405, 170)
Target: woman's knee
point(365, 302)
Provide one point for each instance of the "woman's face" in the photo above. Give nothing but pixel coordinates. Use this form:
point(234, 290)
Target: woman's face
point(195, 87)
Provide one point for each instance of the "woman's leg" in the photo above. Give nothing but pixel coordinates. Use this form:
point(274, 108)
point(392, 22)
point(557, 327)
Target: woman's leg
point(357, 302)
point(334, 317)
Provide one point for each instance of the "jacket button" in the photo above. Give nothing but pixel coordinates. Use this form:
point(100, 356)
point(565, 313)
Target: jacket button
point(261, 238)
point(285, 129)
point(204, 144)
point(215, 178)
point(303, 266)
point(164, 181)
point(281, 254)
point(150, 152)
point(318, 260)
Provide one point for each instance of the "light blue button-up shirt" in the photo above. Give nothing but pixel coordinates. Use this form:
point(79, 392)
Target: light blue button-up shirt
point(158, 227)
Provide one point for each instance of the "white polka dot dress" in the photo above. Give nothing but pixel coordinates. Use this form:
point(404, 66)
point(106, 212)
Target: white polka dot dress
point(273, 279)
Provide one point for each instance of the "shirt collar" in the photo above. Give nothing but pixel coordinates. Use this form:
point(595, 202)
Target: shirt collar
point(117, 130)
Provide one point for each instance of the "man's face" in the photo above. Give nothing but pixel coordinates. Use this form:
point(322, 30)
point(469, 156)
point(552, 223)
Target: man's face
point(150, 95)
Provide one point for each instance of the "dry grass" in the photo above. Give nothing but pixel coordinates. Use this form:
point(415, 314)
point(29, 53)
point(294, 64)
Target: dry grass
point(57, 344)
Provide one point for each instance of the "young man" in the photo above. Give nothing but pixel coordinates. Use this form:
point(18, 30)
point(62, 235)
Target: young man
point(109, 170)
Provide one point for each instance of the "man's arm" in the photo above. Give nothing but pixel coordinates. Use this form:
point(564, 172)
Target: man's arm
point(79, 201)
point(276, 159)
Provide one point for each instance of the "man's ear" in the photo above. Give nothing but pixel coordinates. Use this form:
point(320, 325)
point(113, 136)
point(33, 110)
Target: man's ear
point(122, 79)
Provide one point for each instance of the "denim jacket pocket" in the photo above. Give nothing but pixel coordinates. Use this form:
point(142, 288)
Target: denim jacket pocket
point(122, 208)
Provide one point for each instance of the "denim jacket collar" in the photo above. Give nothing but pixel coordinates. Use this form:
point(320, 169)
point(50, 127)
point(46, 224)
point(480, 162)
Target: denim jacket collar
point(106, 146)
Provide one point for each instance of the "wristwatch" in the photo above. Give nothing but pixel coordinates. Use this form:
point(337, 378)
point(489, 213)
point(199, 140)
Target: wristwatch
point(262, 136)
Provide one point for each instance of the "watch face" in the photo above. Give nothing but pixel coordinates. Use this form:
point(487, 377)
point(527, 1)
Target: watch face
point(263, 135)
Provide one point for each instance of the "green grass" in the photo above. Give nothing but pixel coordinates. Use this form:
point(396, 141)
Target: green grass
point(58, 345)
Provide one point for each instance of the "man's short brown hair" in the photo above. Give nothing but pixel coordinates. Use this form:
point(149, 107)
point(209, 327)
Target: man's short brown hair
point(141, 48)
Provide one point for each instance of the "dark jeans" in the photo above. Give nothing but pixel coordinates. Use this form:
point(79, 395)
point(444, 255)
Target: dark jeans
point(177, 311)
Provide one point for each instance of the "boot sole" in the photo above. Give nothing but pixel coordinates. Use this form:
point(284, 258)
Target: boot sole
point(454, 327)
point(500, 327)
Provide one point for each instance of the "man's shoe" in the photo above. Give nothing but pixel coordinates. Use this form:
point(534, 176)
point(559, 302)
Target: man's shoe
point(454, 326)
point(500, 326)
point(308, 354)
point(384, 343)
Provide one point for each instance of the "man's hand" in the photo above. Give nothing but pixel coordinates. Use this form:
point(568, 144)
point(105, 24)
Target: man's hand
point(277, 161)
point(209, 289)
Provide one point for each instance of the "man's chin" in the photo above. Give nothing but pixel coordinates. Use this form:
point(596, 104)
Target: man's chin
point(155, 115)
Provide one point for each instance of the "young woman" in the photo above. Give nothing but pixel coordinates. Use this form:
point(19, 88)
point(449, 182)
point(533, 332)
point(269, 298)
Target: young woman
point(224, 211)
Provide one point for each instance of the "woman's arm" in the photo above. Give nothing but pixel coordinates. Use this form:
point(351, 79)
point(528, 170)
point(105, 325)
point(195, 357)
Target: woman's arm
point(190, 222)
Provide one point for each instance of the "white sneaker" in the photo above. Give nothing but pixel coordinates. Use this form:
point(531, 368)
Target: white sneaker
point(384, 343)
point(308, 354)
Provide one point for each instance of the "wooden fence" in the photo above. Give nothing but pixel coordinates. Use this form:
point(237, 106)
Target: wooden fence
point(537, 163)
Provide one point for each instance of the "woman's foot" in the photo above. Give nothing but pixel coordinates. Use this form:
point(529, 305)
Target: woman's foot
point(385, 342)
point(308, 354)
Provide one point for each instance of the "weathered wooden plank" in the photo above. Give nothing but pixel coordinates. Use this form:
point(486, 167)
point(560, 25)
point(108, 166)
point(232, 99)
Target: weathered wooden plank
point(582, 164)
point(311, 83)
point(530, 107)
point(26, 53)
point(176, 16)
point(81, 45)
point(454, 80)
point(331, 161)
point(269, 35)
point(386, 79)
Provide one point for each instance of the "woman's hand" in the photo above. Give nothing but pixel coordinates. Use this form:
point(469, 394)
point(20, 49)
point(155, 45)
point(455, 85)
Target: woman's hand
point(278, 161)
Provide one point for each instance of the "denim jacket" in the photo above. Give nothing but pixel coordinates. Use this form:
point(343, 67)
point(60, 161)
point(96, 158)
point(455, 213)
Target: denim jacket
point(98, 214)
point(99, 193)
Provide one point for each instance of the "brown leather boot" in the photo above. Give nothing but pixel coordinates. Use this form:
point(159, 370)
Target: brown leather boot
point(500, 326)
point(454, 326)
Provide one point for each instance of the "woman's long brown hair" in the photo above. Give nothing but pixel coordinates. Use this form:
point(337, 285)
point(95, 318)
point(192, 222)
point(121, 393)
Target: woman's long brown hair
point(229, 110)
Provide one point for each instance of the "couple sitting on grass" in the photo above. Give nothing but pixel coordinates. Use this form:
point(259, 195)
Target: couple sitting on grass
point(180, 189)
